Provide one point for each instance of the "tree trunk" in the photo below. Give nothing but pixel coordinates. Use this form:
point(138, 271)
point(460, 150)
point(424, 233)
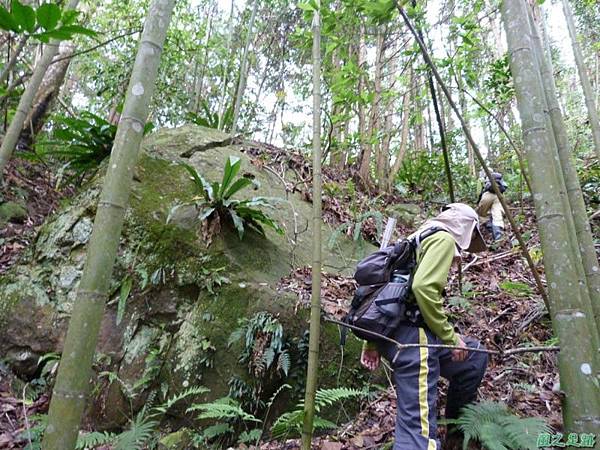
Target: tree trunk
point(364, 168)
point(72, 382)
point(16, 125)
point(315, 308)
point(227, 68)
point(46, 96)
point(577, 362)
point(13, 58)
point(403, 136)
point(200, 80)
point(581, 224)
point(243, 71)
point(588, 93)
point(375, 122)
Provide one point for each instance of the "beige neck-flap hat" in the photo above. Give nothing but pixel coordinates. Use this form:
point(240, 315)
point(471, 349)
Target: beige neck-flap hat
point(462, 223)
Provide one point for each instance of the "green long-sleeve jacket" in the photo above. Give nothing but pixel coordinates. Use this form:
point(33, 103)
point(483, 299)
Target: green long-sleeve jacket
point(434, 259)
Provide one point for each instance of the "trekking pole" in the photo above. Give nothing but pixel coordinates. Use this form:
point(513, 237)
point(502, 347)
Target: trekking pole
point(387, 233)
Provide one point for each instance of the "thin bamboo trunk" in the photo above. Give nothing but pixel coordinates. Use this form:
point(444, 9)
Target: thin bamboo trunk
point(588, 93)
point(239, 96)
point(13, 58)
point(582, 227)
point(577, 362)
point(16, 125)
point(315, 308)
point(72, 382)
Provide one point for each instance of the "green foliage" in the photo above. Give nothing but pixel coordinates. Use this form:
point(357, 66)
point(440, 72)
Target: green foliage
point(290, 423)
point(138, 434)
point(94, 439)
point(215, 203)
point(207, 118)
point(83, 142)
point(44, 23)
point(263, 344)
point(497, 428)
point(355, 229)
point(516, 288)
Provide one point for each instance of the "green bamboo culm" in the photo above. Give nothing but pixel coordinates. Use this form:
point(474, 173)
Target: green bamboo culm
point(558, 146)
point(315, 304)
point(9, 142)
point(585, 241)
point(73, 379)
point(577, 366)
point(586, 86)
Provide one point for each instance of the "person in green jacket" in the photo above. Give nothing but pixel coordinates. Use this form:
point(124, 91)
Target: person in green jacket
point(417, 369)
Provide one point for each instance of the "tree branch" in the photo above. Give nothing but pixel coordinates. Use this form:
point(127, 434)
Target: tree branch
point(499, 353)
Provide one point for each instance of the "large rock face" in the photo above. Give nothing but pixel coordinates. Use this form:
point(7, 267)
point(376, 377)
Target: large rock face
point(178, 318)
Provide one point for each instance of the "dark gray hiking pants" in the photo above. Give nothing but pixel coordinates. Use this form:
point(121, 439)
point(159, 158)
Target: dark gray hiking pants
point(416, 374)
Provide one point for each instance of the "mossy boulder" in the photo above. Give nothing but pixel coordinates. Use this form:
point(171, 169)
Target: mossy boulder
point(12, 212)
point(406, 213)
point(185, 297)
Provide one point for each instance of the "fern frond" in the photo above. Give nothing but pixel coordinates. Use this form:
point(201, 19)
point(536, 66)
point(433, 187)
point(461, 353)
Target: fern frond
point(225, 408)
point(139, 433)
point(94, 439)
point(496, 428)
point(189, 392)
point(218, 429)
point(284, 362)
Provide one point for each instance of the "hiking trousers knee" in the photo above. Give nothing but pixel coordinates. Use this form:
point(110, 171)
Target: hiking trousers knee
point(490, 202)
point(416, 374)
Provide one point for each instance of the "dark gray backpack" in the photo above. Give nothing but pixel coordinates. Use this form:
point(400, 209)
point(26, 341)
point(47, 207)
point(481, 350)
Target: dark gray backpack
point(384, 281)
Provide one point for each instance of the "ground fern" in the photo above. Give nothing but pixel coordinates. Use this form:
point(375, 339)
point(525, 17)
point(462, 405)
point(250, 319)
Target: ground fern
point(496, 428)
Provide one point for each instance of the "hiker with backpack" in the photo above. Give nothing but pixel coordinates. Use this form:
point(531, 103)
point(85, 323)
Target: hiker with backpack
point(488, 202)
point(416, 370)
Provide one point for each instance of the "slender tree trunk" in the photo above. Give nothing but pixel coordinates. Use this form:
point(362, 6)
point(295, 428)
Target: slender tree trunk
point(364, 168)
point(375, 122)
point(227, 68)
point(16, 125)
point(583, 232)
point(198, 88)
point(243, 71)
point(72, 382)
point(335, 156)
point(403, 137)
point(588, 93)
point(315, 309)
point(46, 96)
point(13, 58)
point(577, 360)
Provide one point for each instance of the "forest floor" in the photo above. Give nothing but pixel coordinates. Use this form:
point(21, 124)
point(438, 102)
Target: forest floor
point(498, 305)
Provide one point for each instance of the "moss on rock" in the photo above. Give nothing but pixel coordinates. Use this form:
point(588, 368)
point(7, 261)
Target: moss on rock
point(187, 297)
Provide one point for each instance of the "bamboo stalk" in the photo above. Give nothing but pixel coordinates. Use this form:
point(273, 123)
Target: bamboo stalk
point(315, 308)
point(72, 382)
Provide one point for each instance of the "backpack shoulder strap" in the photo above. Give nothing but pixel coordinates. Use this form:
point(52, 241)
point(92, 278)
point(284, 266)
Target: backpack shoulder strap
point(416, 241)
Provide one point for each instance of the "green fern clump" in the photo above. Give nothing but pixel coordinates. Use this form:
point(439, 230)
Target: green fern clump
point(291, 422)
point(496, 428)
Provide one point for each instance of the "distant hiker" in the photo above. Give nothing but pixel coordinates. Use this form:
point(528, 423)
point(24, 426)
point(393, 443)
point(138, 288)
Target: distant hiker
point(488, 202)
point(417, 369)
